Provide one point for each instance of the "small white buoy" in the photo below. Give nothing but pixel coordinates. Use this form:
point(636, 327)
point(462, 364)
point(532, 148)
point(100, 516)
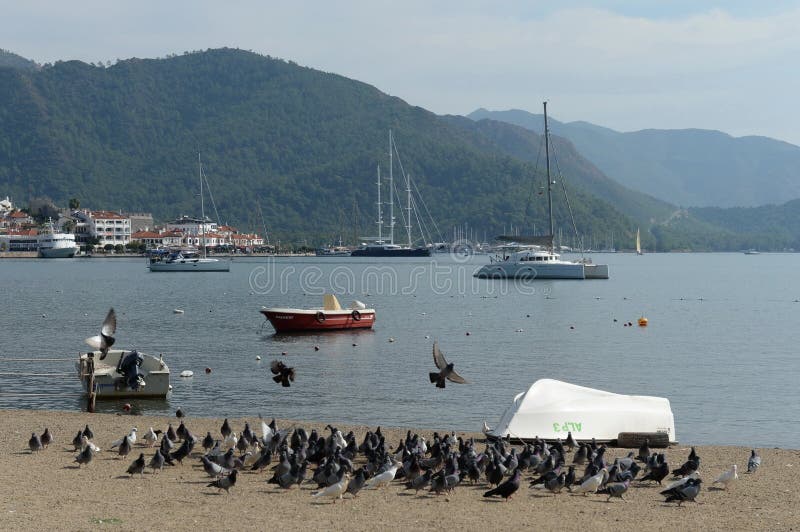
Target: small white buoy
point(177, 311)
point(170, 386)
point(427, 337)
point(424, 313)
point(258, 357)
point(391, 339)
point(44, 315)
point(187, 373)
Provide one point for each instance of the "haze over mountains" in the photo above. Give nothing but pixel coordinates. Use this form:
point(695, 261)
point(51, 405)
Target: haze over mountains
point(686, 167)
point(304, 146)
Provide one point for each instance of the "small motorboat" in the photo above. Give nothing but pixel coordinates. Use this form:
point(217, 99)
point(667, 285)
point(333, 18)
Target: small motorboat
point(328, 318)
point(123, 374)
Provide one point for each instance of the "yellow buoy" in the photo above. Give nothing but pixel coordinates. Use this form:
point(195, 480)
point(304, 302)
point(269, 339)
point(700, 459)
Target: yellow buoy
point(642, 322)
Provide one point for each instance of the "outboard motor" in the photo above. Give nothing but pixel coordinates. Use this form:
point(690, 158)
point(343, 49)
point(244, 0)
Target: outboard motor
point(129, 369)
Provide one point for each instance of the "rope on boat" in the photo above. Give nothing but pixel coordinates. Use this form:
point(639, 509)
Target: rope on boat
point(22, 374)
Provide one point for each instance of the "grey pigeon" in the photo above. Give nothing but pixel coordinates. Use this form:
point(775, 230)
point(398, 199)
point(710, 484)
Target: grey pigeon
point(421, 482)
point(555, 485)
point(85, 456)
point(684, 492)
point(137, 466)
point(615, 489)
point(658, 473)
point(124, 447)
point(507, 488)
point(224, 483)
point(644, 450)
point(77, 441)
point(179, 413)
point(105, 339)
point(47, 438)
point(35, 443)
point(212, 470)
point(356, 483)
point(171, 435)
point(208, 441)
point(446, 370)
point(225, 429)
point(157, 462)
point(754, 462)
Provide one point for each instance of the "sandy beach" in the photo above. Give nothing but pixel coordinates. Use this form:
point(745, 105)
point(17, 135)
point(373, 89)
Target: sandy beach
point(46, 490)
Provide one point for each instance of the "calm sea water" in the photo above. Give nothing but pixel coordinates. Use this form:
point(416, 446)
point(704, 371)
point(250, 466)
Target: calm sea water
point(721, 345)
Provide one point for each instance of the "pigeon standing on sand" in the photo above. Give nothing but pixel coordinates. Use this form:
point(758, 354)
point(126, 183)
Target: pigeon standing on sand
point(35, 443)
point(125, 447)
point(357, 482)
point(334, 491)
point(85, 456)
point(283, 373)
point(179, 413)
point(446, 371)
point(616, 489)
point(507, 488)
point(728, 477)
point(151, 436)
point(47, 438)
point(225, 430)
point(105, 339)
point(754, 462)
point(131, 439)
point(137, 466)
point(88, 432)
point(157, 462)
point(224, 483)
point(685, 492)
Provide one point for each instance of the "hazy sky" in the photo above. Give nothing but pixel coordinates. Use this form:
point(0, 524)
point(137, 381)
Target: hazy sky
point(627, 65)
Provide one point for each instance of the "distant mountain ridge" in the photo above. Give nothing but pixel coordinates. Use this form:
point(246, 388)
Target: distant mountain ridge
point(12, 60)
point(688, 167)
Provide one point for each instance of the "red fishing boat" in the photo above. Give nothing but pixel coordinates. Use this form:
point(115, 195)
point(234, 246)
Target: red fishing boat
point(328, 318)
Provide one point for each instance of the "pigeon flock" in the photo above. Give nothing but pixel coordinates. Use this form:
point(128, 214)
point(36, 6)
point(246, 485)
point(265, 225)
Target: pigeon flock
point(335, 466)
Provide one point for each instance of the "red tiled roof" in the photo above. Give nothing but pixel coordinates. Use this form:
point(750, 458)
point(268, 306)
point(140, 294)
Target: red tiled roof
point(23, 232)
point(107, 215)
point(18, 214)
point(145, 234)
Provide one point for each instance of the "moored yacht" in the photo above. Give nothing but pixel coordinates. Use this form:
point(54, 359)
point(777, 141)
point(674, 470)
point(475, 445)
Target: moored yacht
point(55, 245)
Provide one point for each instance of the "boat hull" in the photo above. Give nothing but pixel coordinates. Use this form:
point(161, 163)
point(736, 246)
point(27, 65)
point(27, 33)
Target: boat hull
point(58, 253)
point(109, 384)
point(297, 320)
point(415, 252)
point(191, 265)
point(519, 270)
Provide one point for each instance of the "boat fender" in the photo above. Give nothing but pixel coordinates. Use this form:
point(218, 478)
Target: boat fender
point(356, 315)
point(320, 316)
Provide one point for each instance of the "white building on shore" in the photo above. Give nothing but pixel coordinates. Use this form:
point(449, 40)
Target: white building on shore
point(108, 227)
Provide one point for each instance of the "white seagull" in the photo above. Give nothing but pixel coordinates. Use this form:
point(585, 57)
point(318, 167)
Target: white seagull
point(728, 477)
point(384, 478)
point(334, 491)
point(131, 437)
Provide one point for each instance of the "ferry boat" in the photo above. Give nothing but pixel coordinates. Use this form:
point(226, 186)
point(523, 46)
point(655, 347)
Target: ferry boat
point(328, 318)
point(55, 245)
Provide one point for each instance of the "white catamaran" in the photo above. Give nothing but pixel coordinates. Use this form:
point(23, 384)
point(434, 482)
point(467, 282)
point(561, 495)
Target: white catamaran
point(537, 259)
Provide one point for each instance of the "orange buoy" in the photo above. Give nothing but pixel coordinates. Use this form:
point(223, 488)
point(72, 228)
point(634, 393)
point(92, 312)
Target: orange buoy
point(642, 322)
point(126, 407)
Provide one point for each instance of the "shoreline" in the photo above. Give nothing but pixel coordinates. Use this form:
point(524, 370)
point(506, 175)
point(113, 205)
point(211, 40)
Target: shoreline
point(44, 490)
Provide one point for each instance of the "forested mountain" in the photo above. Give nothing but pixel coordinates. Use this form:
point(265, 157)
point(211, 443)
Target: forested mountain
point(12, 60)
point(301, 144)
point(688, 167)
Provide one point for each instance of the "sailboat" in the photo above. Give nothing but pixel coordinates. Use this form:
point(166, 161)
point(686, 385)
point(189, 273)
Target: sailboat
point(379, 247)
point(538, 260)
point(190, 260)
point(638, 242)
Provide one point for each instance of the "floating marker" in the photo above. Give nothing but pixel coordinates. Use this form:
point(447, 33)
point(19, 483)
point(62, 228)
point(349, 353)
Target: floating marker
point(208, 370)
point(187, 373)
point(177, 311)
point(258, 357)
point(316, 348)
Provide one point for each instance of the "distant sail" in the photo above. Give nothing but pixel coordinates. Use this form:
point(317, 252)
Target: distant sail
point(638, 243)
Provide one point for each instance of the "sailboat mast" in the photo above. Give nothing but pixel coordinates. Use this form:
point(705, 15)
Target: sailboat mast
point(202, 208)
point(380, 212)
point(408, 208)
point(549, 180)
point(391, 193)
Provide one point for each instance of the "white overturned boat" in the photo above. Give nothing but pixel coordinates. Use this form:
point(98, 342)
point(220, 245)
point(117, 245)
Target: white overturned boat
point(551, 409)
point(123, 374)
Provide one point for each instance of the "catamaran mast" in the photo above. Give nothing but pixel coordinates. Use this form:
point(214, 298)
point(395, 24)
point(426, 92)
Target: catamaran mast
point(380, 212)
point(549, 180)
point(202, 208)
point(391, 193)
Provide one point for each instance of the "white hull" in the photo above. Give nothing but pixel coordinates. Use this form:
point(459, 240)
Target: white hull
point(191, 265)
point(58, 253)
point(109, 384)
point(528, 270)
point(550, 409)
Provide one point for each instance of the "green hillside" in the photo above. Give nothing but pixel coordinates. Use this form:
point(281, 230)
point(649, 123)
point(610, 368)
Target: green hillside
point(12, 60)
point(300, 143)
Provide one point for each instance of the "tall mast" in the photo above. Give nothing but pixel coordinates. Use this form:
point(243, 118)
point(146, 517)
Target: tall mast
point(380, 212)
point(549, 181)
point(391, 193)
point(408, 208)
point(202, 208)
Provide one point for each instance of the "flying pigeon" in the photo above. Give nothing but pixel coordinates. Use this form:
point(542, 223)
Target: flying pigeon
point(224, 483)
point(137, 466)
point(446, 370)
point(105, 339)
point(728, 477)
point(754, 462)
point(507, 488)
point(283, 373)
point(35, 443)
